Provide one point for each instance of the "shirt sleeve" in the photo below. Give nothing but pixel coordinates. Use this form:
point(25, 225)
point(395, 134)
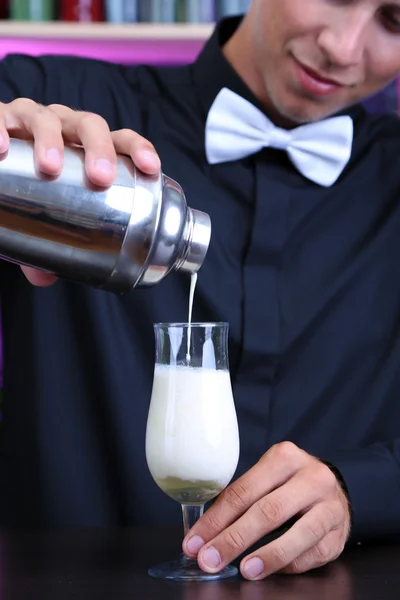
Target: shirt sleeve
point(23, 77)
point(77, 82)
point(372, 478)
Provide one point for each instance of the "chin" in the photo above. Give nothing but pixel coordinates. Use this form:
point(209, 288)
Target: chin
point(300, 115)
point(292, 108)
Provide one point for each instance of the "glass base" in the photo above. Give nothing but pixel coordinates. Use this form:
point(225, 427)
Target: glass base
point(187, 569)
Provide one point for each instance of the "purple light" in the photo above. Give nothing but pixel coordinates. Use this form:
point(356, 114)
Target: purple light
point(120, 51)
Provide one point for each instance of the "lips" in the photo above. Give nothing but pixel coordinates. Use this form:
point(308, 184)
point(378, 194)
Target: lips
point(318, 77)
point(315, 83)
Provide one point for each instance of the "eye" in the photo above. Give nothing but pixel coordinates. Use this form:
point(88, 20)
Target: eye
point(391, 19)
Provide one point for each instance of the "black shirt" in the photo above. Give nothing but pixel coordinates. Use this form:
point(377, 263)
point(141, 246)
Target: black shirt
point(307, 276)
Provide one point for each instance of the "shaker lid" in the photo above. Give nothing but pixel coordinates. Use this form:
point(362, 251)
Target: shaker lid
point(198, 241)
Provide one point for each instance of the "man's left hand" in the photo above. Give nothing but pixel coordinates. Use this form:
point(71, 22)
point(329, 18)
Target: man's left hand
point(285, 483)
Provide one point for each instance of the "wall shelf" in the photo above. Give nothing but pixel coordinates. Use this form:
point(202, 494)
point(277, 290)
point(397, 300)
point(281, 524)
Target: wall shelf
point(57, 29)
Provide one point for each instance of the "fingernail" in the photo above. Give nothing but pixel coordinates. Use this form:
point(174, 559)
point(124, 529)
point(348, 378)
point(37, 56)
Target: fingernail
point(211, 558)
point(104, 166)
point(150, 157)
point(53, 156)
point(254, 568)
point(194, 544)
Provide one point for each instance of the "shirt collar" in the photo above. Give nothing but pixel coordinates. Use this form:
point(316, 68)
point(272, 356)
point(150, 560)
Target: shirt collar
point(212, 72)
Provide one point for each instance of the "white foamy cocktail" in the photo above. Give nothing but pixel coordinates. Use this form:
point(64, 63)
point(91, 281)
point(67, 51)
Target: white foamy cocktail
point(192, 437)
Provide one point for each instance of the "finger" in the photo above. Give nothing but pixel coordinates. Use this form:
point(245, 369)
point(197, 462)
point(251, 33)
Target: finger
point(304, 535)
point(326, 551)
point(24, 118)
point(93, 133)
point(267, 515)
point(139, 149)
point(38, 278)
point(273, 470)
point(4, 136)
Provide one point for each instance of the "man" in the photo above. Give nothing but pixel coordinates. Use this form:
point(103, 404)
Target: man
point(303, 263)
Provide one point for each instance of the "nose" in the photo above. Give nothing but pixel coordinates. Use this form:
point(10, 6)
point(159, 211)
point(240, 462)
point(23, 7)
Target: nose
point(343, 40)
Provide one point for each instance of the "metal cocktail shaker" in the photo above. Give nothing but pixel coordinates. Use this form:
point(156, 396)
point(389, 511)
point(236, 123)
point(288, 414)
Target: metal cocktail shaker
point(130, 234)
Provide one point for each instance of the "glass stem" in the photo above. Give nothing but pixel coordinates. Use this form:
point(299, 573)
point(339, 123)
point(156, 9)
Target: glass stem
point(191, 514)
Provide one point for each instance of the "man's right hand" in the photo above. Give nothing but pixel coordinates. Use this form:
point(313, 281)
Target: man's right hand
point(51, 127)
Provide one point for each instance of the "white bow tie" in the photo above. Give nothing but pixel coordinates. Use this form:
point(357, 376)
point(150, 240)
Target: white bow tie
point(235, 129)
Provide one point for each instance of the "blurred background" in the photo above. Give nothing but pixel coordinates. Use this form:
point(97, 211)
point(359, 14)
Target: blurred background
point(119, 11)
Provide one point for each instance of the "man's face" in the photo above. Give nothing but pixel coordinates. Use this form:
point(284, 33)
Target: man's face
point(312, 58)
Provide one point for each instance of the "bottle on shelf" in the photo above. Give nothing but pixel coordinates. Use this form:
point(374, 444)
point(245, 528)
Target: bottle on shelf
point(4, 9)
point(82, 10)
point(32, 10)
point(229, 7)
point(121, 11)
point(157, 11)
point(200, 12)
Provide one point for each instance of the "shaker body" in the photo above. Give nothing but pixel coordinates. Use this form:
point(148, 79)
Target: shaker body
point(130, 234)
